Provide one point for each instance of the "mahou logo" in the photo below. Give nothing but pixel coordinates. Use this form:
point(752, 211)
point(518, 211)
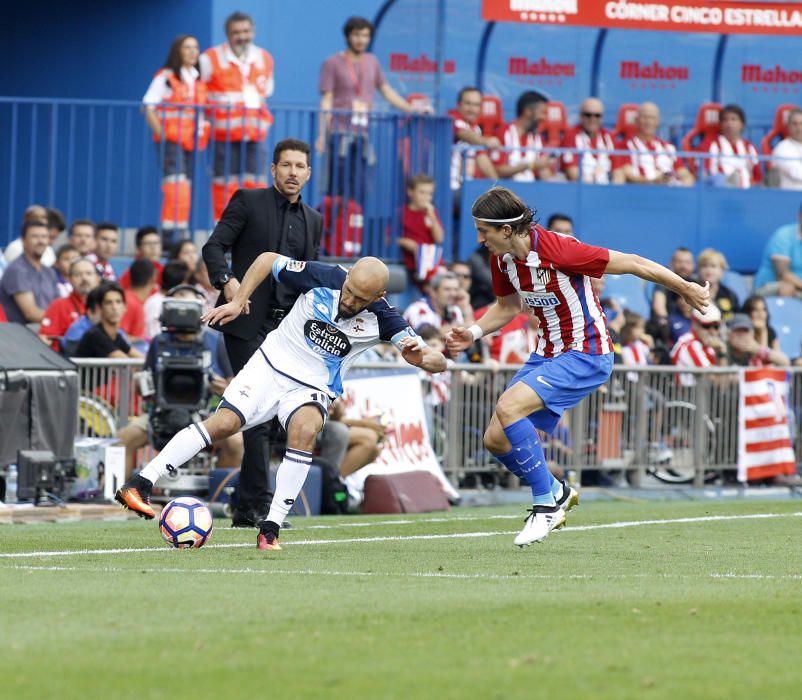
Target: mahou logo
point(403, 63)
point(751, 73)
point(634, 70)
point(518, 65)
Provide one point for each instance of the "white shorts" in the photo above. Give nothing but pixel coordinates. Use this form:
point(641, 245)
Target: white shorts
point(258, 393)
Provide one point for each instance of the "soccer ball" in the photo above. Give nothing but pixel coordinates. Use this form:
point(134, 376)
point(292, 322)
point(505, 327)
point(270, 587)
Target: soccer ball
point(186, 522)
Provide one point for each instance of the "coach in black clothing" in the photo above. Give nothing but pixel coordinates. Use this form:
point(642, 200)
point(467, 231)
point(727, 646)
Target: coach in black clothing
point(275, 220)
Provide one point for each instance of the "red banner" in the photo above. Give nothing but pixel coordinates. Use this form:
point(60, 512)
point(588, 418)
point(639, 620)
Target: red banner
point(688, 16)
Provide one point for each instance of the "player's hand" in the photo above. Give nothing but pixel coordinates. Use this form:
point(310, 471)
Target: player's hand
point(697, 296)
point(412, 351)
point(458, 339)
point(225, 313)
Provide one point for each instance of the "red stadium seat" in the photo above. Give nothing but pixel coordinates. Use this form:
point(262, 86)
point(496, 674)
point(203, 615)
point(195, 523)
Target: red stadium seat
point(778, 131)
point(625, 127)
point(705, 126)
point(554, 126)
point(492, 117)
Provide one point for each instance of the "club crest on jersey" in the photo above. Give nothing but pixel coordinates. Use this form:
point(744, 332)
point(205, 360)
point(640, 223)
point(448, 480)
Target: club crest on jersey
point(540, 301)
point(296, 265)
point(543, 275)
point(326, 339)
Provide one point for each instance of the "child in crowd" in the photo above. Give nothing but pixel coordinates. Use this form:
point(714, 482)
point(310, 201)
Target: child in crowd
point(64, 257)
point(422, 236)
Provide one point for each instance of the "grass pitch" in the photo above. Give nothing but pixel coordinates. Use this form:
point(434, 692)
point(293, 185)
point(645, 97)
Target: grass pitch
point(647, 600)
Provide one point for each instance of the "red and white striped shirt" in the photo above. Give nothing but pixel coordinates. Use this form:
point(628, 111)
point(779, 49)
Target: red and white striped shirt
point(689, 351)
point(635, 354)
point(527, 147)
point(596, 167)
point(652, 158)
point(554, 281)
point(459, 123)
point(745, 171)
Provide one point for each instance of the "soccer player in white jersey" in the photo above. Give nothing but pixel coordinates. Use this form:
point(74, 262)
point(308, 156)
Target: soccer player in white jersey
point(296, 373)
point(550, 273)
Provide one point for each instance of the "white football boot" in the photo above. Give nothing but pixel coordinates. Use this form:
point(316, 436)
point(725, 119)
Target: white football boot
point(569, 497)
point(539, 523)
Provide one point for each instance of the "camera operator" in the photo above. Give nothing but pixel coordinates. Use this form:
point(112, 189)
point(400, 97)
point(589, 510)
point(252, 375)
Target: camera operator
point(205, 374)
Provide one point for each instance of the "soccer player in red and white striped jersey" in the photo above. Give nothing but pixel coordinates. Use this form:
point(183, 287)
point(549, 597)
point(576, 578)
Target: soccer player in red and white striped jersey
point(550, 273)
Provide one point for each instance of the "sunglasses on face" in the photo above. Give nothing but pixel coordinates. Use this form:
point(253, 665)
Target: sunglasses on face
point(592, 115)
point(711, 326)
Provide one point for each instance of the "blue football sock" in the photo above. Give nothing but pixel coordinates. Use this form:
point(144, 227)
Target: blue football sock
point(527, 461)
point(556, 487)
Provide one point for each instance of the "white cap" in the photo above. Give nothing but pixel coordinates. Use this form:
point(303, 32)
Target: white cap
point(712, 315)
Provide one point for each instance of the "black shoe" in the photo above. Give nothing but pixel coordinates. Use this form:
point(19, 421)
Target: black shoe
point(252, 516)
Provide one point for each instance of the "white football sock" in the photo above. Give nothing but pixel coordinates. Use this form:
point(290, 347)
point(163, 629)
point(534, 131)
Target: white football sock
point(183, 446)
point(289, 479)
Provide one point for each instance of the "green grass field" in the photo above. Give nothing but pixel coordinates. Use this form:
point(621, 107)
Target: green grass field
point(432, 606)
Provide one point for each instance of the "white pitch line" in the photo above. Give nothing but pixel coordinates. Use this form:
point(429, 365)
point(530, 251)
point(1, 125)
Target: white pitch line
point(403, 574)
point(375, 523)
point(394, 538)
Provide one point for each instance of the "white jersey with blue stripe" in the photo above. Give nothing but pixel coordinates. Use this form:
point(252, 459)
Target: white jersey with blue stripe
point(313, 345)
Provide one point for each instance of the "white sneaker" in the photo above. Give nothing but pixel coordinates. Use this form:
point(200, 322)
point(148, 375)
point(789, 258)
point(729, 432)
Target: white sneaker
point(569, 498)
point(539, 523)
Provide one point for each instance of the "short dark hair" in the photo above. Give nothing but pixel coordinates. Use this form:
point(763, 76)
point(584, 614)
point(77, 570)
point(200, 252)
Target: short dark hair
point(237, 17)
point(419, 179)
point(175, 272)
point(107, 226)
point(107, 287)
point(144, 231)
point(292, 145)
point(93, 298)
point(55, 219)
point(355, 24)
point(501, 203)
point(427, 332)
point(141, 272)
point(467, 88)
point(83, 222)
point(557, 216)
point(737, 110)
point(528, 99)
point(32, 223)
point(65, 248)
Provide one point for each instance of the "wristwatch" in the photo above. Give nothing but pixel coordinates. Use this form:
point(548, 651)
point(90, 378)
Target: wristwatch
point(222, 281)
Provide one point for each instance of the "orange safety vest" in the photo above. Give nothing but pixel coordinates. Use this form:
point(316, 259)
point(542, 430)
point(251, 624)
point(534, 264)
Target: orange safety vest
point(232, 121)
point(179, 123)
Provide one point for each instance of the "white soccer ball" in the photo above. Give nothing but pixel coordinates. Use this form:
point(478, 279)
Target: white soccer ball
point(186, 522)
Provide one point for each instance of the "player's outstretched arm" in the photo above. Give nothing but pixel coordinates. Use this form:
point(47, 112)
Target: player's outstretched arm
point(256, 274)
point(628, 263)
point(419, 355)
point(503, 310)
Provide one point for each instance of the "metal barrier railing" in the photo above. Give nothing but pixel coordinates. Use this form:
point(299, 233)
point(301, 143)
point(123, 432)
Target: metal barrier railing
point(681, 425)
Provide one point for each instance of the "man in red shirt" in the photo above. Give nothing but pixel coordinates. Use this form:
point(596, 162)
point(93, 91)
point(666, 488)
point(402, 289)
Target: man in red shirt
point(63, 312)
point(589, 135)
point(421, 227)
point(467, 132)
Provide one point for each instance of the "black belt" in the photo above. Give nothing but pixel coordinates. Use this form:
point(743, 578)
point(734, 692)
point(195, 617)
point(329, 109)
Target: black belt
point(277, 314)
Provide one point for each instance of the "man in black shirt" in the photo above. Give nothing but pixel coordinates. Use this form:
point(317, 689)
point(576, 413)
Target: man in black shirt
point(257, 221)
point(105, 339)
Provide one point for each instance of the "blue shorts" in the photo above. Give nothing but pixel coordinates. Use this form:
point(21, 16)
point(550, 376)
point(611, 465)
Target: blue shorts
point(562, 382)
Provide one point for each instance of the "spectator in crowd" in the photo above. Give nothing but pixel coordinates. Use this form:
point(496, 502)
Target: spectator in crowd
point(481, 279)
point(422, 232)
point(745, 351)
point(463, 272)
point(515, 342)
point(177, 129)
point(755, 307)
point(711, 265)
point(651, 160)
point(561, 223)
point(702, 346)
point(525, 160)
point(239, 77)
point(186, 251)
point(107, 243)
point(56, 225)
point(91, 317)
point(82, 236)
point(467, 132)
point(679, 321)
point(28, 286)
point(135, 435)
point(439, 307)
point(612, 309)
point(365, 439)
point(35, 212)
point(148, 245)
point(64, 257)
point(780, 271)
point(788, 154)
point(63, 312)
point(664, 301)
point(589, 135)
point(636, 343)
point(734, 160)
point(203, 283)
point(105, 338)
point(142, 278)
point(175, 273)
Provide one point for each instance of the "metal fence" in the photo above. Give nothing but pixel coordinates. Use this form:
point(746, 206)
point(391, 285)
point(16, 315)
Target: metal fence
point(679, 426)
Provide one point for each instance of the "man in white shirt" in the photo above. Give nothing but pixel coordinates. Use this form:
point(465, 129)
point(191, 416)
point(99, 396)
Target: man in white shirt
point(788, 154)
point(439, 308)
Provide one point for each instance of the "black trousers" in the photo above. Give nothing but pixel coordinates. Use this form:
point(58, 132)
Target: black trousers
point(254, 487)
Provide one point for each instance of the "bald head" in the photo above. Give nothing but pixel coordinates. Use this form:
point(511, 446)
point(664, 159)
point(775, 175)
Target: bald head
point(648, 119)
point(591, 112)
point(366, 282)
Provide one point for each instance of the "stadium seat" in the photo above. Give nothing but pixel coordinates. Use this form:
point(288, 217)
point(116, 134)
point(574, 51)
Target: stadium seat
point(625, 127)
point(740, 285)
point(492, 118)
point(778, 131)
point(705, 126)
point(784, 316)
point(628, 291)
point(554, 126)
